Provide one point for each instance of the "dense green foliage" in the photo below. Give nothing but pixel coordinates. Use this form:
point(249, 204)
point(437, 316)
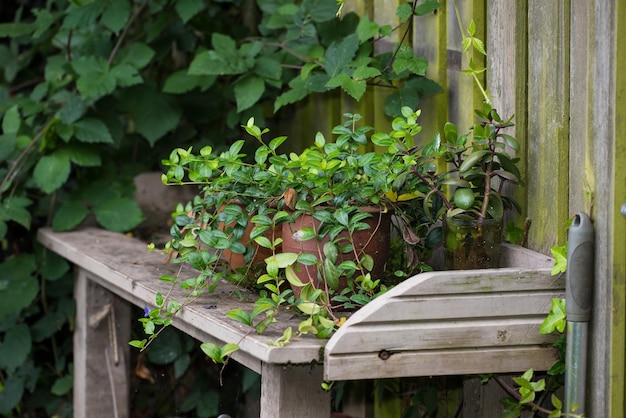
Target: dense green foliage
point(94, 92)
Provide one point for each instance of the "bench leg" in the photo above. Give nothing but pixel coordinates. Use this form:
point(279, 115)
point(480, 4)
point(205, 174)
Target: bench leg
point(101, 351)
point(290, 391)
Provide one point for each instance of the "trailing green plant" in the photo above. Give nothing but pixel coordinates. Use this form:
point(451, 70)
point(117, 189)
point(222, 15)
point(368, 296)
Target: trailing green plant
point(331, 181)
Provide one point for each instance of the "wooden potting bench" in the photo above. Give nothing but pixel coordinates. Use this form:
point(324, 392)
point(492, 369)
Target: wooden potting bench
point(440, 323)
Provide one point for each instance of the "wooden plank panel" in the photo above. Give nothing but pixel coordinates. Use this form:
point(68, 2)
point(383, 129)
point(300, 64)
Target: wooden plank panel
point(396, 337)
point(438, 362)
point(486, 305)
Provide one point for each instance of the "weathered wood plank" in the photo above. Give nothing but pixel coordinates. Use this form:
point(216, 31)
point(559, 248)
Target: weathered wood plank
point(124, 266)
point(293, 391)
point(442, 335)
point(438, 362)
point(101, 351)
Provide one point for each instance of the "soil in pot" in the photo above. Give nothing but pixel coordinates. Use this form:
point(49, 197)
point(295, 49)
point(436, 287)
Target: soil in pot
point(374, 242)
point(471, 244)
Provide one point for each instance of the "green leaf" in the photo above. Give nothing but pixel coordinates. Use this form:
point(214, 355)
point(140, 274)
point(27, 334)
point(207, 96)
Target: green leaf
point(241, 316)
point(11, 120)
point(187, 9)
point(16, 347)
point(472, 159)
point(84, 155)
point(407, 61)
point(92, 130)
point(73, 109)
point(62, 386)
point(53, 266)
point(340, 54)
point(555, 319)
point(20, 285)
point(14, 30)
point(292, 277)
point(248, 91)
point(70, 214)
point(268, 68)
point(212, 351)
point(13, 208)
point(135, 54)
point(119, 214)
point(167, 348)
point(560, 259)
point(155, 114)
point(7, 145)
point(94, 79)
point(366, 29)
point(11, 393)
point(181, 82)
point(126, 75)
point(283, 260)
point(52, 171)
point(116, 14)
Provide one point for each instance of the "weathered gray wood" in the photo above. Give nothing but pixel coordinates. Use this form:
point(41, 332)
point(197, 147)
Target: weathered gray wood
point(124, 266)
point(101, 351)
point(293, 391)
point(449, 322)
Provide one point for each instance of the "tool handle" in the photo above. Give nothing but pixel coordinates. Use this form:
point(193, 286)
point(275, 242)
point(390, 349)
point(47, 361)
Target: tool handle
point(580, 269)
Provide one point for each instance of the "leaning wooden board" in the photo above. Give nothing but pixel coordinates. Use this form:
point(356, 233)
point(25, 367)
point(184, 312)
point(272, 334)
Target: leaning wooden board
point(452, 323)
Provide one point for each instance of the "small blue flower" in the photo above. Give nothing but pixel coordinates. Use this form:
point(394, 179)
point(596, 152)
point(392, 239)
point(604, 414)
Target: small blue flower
point(146, 311)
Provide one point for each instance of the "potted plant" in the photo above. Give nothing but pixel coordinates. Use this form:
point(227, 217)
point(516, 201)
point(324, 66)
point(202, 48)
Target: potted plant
point(344, 189)
point(478, 166)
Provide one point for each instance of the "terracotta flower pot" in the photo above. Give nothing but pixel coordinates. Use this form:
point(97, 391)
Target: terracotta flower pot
point(235, 260)
point(374, 242)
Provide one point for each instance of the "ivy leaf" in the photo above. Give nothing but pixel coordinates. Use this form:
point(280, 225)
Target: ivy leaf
point(116, 14)
point(119, 214)
point(52, 171)
point(187, 9)
point(560, 259)
point(555, 319)
point(92, 130)
point(248, 91)
point(70, 214)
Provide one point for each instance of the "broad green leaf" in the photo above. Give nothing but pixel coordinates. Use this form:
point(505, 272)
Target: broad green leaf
point(555, 319)
point(471, 160)
point(82, 154)
point(62, 385)
point(268, 67)
point(212, 351)
point(135, 54)
point(14, 30)
point(309, 308)
point(11, 120)
point(92, 130)
point(404, 12)
point(324, 10)
point(116, 14)
point(292, 277)
point(94, 79)
point(70, 214)
point(7, 145)
point(11, 393)
point(20, 285)
point(340, 54)
point(167, 348)
point(73, 109)
point(366, 29)
point(84, 15)
point(407, 61)
point(52, 171)
point(16, 347)
point(53, 266)
point(283, 260)
point(248, 91)
point(181, 82)
point(119, 214)
point(187, 9)
point(155, 114)
point(241, 316)
point(426, 7)
point(125, 75)
point(13, 208)
point(364, 72)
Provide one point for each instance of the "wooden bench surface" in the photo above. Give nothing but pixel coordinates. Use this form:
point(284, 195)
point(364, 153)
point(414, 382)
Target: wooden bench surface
point(124, 266)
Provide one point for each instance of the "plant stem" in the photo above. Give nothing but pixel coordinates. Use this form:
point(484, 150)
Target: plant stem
point(508, 389)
